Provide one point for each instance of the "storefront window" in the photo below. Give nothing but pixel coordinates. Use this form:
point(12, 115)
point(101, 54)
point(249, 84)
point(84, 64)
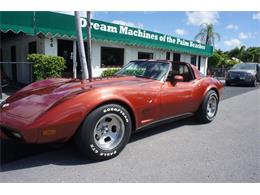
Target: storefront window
point(32, 47)
point(1, 54)
point(199, 62)
point(168, 55)
point(193, 60)
point(112, 57)
point(145, 55)
point(65, 49)
point(176, 57)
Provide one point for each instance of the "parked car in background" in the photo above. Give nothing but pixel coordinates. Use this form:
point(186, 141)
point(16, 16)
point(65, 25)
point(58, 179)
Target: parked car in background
point(244, 73)
point(101, 115)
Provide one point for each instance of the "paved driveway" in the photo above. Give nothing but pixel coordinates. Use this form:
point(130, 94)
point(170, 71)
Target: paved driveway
point(226, 150)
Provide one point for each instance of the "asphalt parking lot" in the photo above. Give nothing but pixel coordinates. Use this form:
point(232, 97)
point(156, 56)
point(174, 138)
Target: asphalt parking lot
point(226, 150)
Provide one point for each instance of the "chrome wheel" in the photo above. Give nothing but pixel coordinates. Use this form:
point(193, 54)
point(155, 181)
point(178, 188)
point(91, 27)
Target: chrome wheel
point(212, 106)
point(109, 131)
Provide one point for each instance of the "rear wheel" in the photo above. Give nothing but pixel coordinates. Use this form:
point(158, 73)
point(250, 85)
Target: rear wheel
point(209, 107)
point(104, 132)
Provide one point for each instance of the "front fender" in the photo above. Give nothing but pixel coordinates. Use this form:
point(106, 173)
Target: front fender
point(66, 117)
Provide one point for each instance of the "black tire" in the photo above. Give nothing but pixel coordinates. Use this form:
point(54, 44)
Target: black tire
point(254, 83)
point(88, 143)
point(227, 83)
point(202, 115)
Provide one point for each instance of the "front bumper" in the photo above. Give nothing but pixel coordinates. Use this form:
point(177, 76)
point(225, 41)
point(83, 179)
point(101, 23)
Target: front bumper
point(238, 80)
point(17, 128)
point(7, 133)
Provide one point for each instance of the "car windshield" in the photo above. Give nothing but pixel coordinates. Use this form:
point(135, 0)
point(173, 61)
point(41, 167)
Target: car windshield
point(244, 67)
point(145, 69)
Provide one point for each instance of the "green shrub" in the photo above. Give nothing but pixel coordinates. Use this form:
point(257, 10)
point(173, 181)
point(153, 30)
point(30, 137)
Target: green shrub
point(109, 72)
point(45, 66)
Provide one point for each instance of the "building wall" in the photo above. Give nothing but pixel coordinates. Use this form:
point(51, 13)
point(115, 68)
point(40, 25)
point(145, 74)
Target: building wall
point(185, 58)
point(22, 49)
point(49, 46)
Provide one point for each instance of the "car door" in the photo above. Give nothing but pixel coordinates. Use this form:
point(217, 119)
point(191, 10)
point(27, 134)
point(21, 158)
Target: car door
point(176, 97)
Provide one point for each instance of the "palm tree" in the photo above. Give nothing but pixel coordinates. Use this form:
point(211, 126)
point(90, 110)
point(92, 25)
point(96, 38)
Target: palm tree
point(241, 52)
point(207, 34)
point(80, 42)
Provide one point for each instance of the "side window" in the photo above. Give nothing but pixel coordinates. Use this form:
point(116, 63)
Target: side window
point(183, 70)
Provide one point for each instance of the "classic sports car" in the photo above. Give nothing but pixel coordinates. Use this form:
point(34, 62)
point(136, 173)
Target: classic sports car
point(101, 115)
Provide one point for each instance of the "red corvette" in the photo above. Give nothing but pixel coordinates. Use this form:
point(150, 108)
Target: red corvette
point(101, 115)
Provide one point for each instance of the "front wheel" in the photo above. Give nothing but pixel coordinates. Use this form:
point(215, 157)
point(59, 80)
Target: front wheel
point(254, 83)
point(105, 132)
point(209, 107)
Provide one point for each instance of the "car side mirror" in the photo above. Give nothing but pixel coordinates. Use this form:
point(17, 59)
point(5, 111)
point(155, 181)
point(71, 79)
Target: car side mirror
point(178, 78)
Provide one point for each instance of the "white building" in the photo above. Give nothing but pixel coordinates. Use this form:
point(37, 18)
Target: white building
point(112, 45)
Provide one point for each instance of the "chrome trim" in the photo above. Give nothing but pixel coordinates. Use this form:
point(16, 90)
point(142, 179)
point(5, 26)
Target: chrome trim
point(164, 78)
point(176, 117)
point(109, 134)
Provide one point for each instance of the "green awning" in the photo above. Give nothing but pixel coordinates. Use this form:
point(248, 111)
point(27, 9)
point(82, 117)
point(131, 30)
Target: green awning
point(61, 25)
point(17, 22)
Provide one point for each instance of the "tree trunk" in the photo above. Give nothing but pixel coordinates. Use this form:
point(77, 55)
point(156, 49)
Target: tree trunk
point(81, 48)
point(89, 46)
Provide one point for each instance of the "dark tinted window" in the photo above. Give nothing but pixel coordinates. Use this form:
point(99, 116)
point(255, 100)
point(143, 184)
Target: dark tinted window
point(244, 66)
point(168, 55)
point(193, 60)
point(1, 54)
point(32, 47)
point(112, 57)
point(145, 55)
point(176, 57)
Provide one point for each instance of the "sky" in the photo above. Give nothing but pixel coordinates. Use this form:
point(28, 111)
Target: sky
point(235, 28)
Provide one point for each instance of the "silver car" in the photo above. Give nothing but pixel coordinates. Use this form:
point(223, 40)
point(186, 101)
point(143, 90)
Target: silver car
point(244, 73)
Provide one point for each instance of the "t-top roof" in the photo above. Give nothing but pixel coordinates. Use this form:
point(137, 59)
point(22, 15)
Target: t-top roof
point(62, 25)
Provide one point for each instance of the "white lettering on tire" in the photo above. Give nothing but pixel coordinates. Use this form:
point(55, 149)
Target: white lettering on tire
point(116, 110)
point(102, 153)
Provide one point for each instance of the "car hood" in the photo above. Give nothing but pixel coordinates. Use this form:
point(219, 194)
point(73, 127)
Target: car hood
point(38, 97)
point(242, 71)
